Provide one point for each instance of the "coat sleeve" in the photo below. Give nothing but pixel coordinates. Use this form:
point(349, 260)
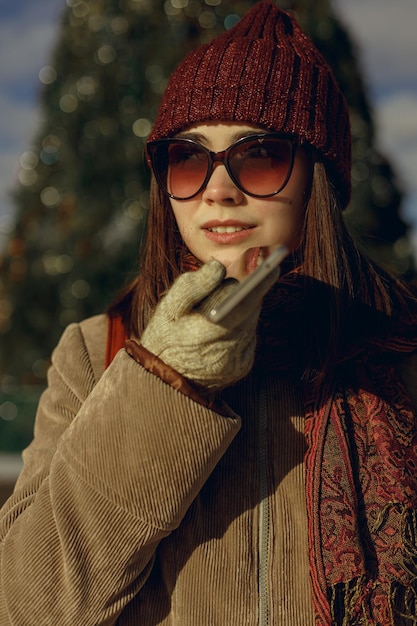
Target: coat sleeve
point(111, 471)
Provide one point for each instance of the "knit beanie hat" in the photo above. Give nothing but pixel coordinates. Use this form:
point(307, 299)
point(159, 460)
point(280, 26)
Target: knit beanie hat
point(264, 71)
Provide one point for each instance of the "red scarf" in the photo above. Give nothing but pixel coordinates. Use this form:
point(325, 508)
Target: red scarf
point(361, 469)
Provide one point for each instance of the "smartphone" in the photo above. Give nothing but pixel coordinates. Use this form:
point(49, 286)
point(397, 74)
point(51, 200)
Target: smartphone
point(247, 285)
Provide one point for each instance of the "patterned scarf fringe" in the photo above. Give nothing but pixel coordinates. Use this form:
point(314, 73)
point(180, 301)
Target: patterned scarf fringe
point(351, 602)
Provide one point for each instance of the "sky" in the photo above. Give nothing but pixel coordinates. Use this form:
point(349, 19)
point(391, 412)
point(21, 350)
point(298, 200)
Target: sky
point(384, 34)
point(382, 30)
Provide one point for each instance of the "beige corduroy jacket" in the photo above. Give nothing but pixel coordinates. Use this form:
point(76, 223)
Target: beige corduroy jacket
point(138, 505)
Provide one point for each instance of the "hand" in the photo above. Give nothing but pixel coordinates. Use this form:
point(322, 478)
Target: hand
point(212, 355)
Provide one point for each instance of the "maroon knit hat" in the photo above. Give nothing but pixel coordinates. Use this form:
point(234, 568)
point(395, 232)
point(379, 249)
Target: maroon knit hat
point(263, 71)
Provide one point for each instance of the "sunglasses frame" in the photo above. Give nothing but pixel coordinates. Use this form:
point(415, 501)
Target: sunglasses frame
point(222, 156)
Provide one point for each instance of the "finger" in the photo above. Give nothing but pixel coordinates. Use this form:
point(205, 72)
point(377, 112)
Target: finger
point(215, 297)
point(192, 287)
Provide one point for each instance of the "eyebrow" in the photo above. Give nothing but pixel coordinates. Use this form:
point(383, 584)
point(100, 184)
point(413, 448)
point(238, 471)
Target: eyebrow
point(203, 139)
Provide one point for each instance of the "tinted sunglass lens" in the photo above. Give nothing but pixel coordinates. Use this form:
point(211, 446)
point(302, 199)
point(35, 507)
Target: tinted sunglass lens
point(261, 166)
point(186, 170)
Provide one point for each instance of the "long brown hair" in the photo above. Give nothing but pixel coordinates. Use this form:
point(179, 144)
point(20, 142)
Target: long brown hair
point(355, 291)
point(158, 265)
point(327, 256)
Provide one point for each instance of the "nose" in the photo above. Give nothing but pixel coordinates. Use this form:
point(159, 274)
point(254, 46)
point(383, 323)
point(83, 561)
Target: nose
point(220, 188)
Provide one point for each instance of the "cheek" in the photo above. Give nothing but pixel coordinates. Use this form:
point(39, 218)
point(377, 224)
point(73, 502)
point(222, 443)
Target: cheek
point(286, 219)
point(289, 229)
point(186, 232)
point(298, 224)
point(179, 217)
point(300, 187)
point(184, 223)
point(298, 217)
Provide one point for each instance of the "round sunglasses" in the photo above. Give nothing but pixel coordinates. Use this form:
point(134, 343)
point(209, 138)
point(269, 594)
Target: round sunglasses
point(259, 165)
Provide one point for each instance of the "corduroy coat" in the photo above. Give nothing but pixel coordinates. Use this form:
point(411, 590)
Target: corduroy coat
point(138, 504)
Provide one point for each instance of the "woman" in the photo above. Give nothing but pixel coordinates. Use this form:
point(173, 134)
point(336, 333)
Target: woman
point(258, 471)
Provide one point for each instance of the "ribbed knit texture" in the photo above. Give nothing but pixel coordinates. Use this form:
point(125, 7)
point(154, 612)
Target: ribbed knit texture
point(264, 71)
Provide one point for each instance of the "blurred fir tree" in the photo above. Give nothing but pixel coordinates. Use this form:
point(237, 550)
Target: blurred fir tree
point(83, 186)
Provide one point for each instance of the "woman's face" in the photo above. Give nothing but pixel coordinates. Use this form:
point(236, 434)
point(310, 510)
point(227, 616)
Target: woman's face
point(224, 223)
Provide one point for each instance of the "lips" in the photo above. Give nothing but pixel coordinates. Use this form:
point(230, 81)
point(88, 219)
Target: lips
point(228, 231)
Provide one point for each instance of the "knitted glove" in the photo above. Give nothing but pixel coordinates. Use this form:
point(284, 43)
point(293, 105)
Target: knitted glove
point(212, 355)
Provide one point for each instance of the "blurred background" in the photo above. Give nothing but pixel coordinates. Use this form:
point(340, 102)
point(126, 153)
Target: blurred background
point(80, 81)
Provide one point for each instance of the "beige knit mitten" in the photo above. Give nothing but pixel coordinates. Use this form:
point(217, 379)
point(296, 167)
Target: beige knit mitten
point(212, 355)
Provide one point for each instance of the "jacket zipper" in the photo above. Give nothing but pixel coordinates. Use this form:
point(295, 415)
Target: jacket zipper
point(264, 512)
